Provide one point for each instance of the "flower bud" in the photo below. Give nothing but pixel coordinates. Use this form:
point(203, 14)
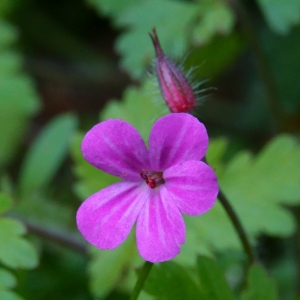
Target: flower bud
point(175, 88)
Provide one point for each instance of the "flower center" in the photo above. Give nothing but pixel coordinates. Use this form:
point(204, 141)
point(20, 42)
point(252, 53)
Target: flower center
point(153, 179)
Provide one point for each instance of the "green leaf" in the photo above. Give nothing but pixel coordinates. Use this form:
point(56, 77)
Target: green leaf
point(8, 34)
point(219, 54)
point(212, 280)
point(46, 153)
point(106, 267)
point(135, 45)
point(257, 188)
point(18, 99)
point(216, 17)
point(8, 295)
point(7, 279)
point(111, 7)
point(281, 15)
point(15, 251)
point(5, 203)
point(259, 285)
point(10, 63)
point(198, 21)
point(137, 107)
point(215, 154)
point(169, 280)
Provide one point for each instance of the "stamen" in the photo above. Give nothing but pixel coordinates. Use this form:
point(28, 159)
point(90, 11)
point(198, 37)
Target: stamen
point(153, 179)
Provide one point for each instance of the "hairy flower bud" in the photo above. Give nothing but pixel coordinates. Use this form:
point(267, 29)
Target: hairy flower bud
point(175, 88)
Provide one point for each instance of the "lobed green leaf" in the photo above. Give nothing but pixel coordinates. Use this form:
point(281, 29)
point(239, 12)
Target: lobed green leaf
point(169, 280)
point(212, 280)
point(281, 15)
point(7, 279)
point(15, 251)
point(259, 285)
point(106, 268)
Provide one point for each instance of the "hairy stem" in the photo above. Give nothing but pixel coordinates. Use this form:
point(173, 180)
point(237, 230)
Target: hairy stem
point(61, 238)
point(238, 226)
point(141, 280)
point(236, 223)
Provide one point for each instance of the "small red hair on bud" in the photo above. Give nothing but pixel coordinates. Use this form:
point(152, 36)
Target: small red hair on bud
point(175, 88)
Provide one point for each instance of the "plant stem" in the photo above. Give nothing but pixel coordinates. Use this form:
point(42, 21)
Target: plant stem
point(142, 278)
point(237, 225)
point(61, 238)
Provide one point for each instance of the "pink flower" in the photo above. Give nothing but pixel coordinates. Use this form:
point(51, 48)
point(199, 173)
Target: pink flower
point(175, 88)
point(159, 183)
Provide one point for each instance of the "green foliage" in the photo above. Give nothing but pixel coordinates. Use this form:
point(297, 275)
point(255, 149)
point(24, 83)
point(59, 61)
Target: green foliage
point(137, 107)
point(135, 46)
point(15, 251)
point(284, 65)
point(106, 267)
point(260, 186)
point(5, 203)
point(111, 7)
point(216, 150)
point(169, 280)
point(212, 280)
point(215, 17)
point(8, 35)
point(141, 16)
point(259, 285)
point(281, 15)
point(6, 6)
point(18, 99)
point(7, 279)
point(7, 282)
point(46, 154)
point(216, 56)
point(257, 187)
point(8, 295)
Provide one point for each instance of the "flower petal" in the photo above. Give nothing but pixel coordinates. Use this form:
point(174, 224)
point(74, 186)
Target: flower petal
point(160, 228)
point(106, 218)
point(176, 138)
point(193, 186)
point(117, 148)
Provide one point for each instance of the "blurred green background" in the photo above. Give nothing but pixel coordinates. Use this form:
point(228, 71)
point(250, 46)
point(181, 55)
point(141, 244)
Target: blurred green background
point(66, 65)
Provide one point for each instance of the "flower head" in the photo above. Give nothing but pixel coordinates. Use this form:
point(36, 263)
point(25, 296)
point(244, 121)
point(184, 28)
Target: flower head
point(175, 88)
point(159, 183)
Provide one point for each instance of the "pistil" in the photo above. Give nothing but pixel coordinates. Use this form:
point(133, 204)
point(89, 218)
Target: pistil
point(152, 178)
